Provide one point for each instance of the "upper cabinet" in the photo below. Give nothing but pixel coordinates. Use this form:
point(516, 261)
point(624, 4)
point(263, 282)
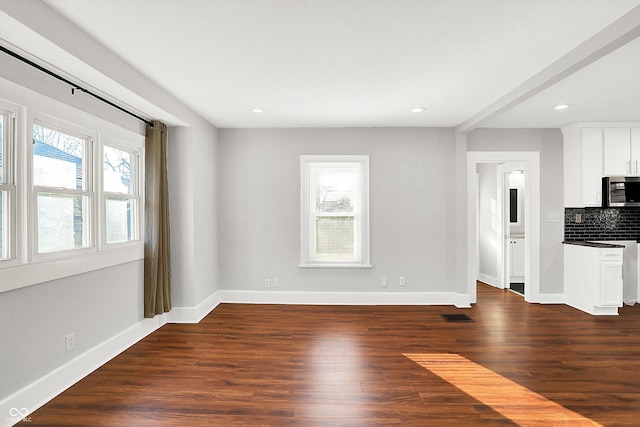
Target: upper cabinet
point(591, 154)
point(594, 150)
point(621, 151)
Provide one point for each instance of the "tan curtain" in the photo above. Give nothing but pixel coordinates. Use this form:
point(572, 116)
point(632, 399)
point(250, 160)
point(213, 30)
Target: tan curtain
point(157, 265)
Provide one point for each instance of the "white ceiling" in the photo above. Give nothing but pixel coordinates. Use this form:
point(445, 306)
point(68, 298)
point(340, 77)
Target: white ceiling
point(344, 63)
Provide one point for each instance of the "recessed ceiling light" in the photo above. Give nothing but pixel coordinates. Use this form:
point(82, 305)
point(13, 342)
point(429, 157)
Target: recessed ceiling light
point(418, 109)
point(562, 106)
point(257, 110)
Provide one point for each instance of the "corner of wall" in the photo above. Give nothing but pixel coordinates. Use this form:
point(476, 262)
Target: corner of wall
point(194, 314)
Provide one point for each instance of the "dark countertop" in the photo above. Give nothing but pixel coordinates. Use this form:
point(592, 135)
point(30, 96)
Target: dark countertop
point(591, 244)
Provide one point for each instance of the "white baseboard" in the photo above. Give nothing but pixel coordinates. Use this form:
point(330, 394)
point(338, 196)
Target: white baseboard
point(344, 298)
point(194, 314)
point(489, 280)
point(36, 394)
point(462, 301)
point(551, 299)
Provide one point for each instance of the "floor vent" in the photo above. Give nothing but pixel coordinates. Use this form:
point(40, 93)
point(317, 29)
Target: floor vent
point(456, 318)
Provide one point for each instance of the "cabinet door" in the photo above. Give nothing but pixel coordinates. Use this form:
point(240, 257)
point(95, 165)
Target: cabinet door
point(617, 152)
point(635, 151)
point(610, 284)
point(591, 147)
point(517, 257)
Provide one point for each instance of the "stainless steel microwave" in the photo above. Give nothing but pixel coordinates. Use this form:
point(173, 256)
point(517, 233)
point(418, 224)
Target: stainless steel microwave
point(620, 191)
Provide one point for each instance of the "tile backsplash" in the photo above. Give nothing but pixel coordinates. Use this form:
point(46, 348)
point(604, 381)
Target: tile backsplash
point(602, 223)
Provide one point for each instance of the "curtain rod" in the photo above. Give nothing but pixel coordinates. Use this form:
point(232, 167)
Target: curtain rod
point(74, 86)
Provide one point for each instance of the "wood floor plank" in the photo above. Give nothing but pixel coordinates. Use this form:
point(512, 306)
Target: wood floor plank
point(290, 365)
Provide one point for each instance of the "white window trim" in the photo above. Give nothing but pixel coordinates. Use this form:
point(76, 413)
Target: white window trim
point(28, 268)
point(306, 233)
point(10, 186)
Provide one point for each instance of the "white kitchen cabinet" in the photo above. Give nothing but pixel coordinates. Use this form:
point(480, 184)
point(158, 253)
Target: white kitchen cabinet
point(594, 150)
point(593, 278)
point(591, 163)
point(582, 157)
point(611, 284)
point(635, 149)
point(629, 270)
point(517, 259)
point(618, 159)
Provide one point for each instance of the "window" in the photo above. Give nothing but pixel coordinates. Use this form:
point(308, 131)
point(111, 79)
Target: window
point(7, 186)
point(71, 191)
point(63, 189)
point(121, 195)
point(334, 211)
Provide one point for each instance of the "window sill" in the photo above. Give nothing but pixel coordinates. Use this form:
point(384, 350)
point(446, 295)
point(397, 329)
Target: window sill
point(23, 275)
point(335, 265)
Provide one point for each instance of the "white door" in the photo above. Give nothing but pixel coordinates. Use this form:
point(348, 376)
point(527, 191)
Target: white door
point(504, 256)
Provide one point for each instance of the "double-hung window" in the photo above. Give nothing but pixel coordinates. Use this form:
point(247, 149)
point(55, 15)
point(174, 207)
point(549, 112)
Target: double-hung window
point(121, 194)
point(62, 185)
point(334, 211)
point(7, 186)
point(71, 191)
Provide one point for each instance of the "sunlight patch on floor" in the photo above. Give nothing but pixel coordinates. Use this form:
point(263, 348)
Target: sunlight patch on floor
point(504, 396)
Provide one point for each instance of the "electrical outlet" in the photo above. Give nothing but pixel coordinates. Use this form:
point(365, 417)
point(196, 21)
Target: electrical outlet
point(384, 282)
point(275, 282)
point(267, 283)
point(70, 342)
point(402, 281)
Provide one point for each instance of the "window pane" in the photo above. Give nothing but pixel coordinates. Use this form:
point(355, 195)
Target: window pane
point(334, 189)
point(62, 223)
point(117, 171)
point(335, 237)
point(58, 159)
point(4, 224)
point(119, 218)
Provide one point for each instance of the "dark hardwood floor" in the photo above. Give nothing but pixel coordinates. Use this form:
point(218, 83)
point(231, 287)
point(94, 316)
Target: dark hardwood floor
point(275, 365)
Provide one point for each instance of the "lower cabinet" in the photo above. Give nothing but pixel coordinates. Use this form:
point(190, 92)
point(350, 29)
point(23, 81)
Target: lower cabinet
point(593, 278)
point(517, 259)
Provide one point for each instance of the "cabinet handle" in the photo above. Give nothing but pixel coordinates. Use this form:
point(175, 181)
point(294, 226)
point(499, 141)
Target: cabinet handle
point(635, 167)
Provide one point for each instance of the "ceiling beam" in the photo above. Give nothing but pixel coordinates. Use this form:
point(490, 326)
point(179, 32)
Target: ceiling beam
point(619, 33)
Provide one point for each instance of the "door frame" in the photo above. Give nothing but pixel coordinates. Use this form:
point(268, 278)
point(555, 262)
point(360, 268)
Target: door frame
point(531, 163)
point(504, 254)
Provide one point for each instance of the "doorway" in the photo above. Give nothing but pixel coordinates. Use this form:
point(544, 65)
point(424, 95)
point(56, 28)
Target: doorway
point(511, 178)
point(529, 164)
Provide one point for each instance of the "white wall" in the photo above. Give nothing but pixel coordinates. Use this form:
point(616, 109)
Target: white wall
point(193, 188)
point(259, 208)
point(548, 142)
point(34, 320)
point(488, 238)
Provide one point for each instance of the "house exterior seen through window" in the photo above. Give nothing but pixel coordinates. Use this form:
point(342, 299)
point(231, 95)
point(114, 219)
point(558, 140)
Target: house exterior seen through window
point(334, 211)
point(120, 192)
point(63, 190)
